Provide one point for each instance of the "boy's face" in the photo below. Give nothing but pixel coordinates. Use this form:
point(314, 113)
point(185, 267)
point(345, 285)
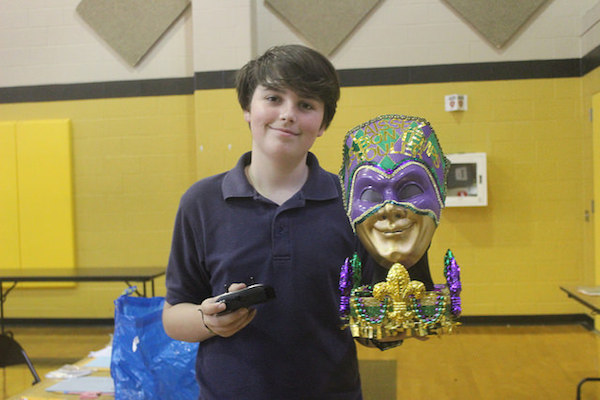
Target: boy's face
point(284, 125)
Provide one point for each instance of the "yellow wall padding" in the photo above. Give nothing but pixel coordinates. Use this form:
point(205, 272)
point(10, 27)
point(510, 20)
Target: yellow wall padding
point(45, 190)
point(9, 216)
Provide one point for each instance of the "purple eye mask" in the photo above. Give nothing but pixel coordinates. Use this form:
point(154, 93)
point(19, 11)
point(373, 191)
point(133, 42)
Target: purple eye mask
point(410, 185)
point(401, 149)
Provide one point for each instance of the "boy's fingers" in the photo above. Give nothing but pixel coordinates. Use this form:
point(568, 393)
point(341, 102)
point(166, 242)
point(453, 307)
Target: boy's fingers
point(211, 307)
point(243, 322)
point(234, 287)
point(232, 323)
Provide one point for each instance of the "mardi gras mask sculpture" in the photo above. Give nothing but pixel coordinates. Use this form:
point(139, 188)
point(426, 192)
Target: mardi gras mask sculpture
point(393, 177)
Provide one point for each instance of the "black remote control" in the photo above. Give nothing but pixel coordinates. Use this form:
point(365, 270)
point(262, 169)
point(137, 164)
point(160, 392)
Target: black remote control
point(254, 294)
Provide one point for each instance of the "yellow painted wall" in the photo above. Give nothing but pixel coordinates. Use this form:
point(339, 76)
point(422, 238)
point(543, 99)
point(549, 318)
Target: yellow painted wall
point(591, 93)
point(222, 135)
point(134, 157)
point(591, 87)
point(9, 200)
point(596, 179)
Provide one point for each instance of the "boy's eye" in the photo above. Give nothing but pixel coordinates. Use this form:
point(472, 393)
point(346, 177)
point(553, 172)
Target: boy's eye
point(306, 106)
point(372, 196)
point(272, 98)
point(408, 191)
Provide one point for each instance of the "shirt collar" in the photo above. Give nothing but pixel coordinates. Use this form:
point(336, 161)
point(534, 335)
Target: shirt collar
point(320, 185)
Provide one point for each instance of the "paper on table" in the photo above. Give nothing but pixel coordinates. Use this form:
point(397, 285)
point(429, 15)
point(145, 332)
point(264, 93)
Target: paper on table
point(98, 384)
point(100, 358)
point(105, 352)
point(589, 290)
point(98, 362)
point(69, 371)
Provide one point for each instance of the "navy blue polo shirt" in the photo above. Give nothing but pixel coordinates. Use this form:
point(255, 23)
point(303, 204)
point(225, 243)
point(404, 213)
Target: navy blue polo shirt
point(226, 232)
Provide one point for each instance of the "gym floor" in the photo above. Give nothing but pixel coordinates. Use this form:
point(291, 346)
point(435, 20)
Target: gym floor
point(479, 362)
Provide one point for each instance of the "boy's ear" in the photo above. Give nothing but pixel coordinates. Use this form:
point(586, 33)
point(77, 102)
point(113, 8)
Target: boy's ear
point(321, 131)
point(247, 116)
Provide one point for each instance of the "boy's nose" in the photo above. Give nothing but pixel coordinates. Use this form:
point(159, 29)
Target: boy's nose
point(287, 113)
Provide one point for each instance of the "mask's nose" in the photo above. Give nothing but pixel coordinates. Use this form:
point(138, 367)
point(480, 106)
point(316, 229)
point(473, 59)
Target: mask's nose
point(391, 212)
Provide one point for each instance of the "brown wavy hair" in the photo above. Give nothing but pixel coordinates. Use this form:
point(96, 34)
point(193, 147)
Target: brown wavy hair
point(301, 69)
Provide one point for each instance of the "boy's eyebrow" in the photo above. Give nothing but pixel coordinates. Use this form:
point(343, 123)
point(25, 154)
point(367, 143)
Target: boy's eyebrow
point(272, 86)
point(280, 89)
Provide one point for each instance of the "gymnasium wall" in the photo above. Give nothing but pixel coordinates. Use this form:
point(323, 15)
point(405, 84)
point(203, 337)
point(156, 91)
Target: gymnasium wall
point(135, 151)
point(532, 236)
point(132, 160)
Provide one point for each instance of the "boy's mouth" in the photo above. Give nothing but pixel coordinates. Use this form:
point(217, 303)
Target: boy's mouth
point(285, 130)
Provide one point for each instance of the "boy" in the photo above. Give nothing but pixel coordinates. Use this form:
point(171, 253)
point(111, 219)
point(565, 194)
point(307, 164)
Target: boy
point(276, 218)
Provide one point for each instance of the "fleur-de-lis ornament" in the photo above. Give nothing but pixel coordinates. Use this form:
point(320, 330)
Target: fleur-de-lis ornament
point(399, 288)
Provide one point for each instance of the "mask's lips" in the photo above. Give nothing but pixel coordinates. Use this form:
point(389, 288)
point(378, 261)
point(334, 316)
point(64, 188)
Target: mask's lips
point(395, 229)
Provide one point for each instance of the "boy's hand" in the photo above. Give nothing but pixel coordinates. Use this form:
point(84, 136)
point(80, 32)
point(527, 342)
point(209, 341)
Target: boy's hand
point(402, 336)
point(229, 324)
point(395, 338)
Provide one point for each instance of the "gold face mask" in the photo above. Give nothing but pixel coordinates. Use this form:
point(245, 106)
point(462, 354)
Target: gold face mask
point(395, 234)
